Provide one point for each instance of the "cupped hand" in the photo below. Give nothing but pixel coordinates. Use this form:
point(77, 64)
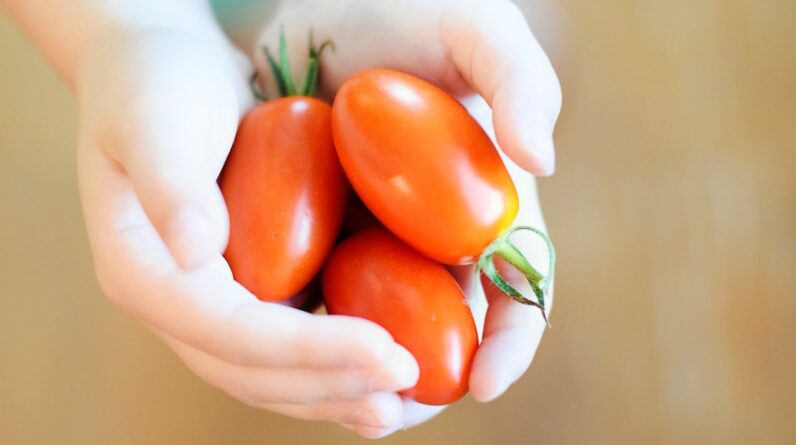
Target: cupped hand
point(158, 114)
point(483, 53)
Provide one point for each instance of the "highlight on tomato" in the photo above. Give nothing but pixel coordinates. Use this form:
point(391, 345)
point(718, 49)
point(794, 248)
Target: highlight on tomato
point(283, 186)
point(428, 171)
point(374, 275)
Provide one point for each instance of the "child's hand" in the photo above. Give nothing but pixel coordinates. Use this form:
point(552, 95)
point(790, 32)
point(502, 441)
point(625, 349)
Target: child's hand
point(468, 47)
point(160, 94)
point(158, 114)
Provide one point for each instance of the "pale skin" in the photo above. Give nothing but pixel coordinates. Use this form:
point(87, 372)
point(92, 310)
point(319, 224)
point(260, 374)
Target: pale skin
point(161, 87)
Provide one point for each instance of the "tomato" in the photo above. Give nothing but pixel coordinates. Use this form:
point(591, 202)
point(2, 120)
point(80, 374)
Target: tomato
point(422, 165)
point(373, 275)
point(286, 195)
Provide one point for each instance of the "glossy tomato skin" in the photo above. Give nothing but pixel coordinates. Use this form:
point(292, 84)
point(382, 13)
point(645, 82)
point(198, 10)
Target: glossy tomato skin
point(374, 275)
point(422, 165)
point(286, 195)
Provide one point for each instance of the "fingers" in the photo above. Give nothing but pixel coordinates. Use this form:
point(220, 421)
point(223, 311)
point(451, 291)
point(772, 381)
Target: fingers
point(204, 308)
point(294, 385)
point(358, 399)
point(417, 413)
point(216, 315)
point(370, 414)
point(512, 332)
point(413, 414)
point(166, 110)
point(493, 48)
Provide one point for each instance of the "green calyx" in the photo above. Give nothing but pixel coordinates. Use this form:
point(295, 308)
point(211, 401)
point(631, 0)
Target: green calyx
point(506, 250)
point(281, 69)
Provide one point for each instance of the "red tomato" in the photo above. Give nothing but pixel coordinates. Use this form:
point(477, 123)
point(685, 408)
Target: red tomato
point(373, 275)
point(422, 165)
point(286, 195)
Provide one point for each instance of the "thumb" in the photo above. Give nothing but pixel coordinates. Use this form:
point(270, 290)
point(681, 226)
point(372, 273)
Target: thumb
point(171, 130)
point(185, 206)
point(494, 51)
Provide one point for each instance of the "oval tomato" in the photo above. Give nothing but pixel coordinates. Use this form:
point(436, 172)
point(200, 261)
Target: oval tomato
point(373, 275)
point(422, 165)
point(286, 194)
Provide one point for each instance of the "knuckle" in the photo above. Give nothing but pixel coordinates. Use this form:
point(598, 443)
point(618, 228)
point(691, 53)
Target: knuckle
point(250, 401)
point(333, 396)
point(247, 395)
point(352, 415)
point(341, 390)
point(554, 89)
point(369, 404)
point(251, 328)
point(109, 286)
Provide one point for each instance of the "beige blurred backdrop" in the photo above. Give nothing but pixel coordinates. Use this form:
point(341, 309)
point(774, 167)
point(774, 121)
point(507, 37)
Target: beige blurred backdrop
point(673, 209)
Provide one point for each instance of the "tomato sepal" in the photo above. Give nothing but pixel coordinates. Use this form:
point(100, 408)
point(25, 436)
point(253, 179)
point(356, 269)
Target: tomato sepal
point(281, 69)
point(506, 250)
point(310, 85)
point(257, 92)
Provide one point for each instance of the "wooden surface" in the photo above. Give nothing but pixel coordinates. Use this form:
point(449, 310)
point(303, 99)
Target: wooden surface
point(673, 209)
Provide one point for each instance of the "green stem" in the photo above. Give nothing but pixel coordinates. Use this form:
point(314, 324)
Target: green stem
point(284, 62)
point(506, 250)
point(281, 68)
point(256, 91)
point(281, 84)
point(310, 85)
point(513, 256)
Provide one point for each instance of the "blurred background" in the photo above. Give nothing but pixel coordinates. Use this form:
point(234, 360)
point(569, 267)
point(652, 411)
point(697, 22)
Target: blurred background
point(673, 210)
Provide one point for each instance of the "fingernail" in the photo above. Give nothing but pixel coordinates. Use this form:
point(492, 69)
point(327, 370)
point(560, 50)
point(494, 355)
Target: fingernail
point(396, 372)
point(370, 432)
point(188, 234)
point(374, 433)
point(541, 152)
point(491, 389)
point(501, 387)
point(369, 418)
point(403, 368)
point(502, 383)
